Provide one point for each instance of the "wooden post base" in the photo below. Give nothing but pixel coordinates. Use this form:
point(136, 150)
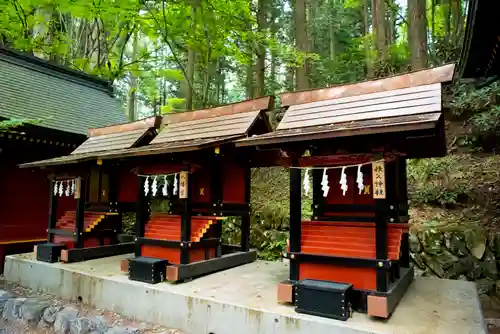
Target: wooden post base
point(124, 265)
point(381, 305)
point(285, 292)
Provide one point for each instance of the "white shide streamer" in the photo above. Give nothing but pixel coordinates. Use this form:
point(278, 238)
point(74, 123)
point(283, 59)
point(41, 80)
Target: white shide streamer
point(324, 183)
point(359, 180)
point(307, 185)
point(343, 181)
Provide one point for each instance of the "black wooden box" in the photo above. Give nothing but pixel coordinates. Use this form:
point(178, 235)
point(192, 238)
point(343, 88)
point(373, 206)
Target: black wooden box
point(323, 298)
point(147, 269)
point(49, 252)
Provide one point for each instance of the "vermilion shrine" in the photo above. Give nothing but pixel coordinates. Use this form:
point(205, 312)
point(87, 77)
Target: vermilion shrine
point(60, 104)
point(185, 173)
point(97, 194)
point(190, 167)
point(353, 142)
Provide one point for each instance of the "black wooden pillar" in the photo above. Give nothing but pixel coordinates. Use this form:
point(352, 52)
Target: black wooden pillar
point(403, 209)
point(295, 217)
point(113, 199)
point(216, 193)
point(380, 187)
point(80, 213)
point(185, 217)
point(52, 211)
point(142, 214)
point(245, 218)
point(216, 180)
point(318, 202)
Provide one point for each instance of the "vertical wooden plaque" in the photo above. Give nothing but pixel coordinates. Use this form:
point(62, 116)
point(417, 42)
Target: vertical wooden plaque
point(378, 176)
point(78, 185)
point(183, 185)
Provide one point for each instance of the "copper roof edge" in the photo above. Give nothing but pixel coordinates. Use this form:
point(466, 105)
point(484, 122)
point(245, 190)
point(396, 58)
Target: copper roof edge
point(279, 137)
point(145, 123)
point(261, 103)
point(440, 74)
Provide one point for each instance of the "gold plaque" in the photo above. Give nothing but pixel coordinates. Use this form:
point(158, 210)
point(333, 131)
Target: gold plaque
point(378, 176)
point(183, 185)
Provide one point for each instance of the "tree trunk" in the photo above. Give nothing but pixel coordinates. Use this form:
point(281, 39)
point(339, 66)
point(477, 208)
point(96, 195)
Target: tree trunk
point(249, 82)
point(301, 42)
point(261, 51)
point(133, 82)
point(458, 20)
point(379, 9)
point(447, 21)
point(331, 36)
point(417, 33)
point(311, 39)
point(366, 44)
point(191, 58)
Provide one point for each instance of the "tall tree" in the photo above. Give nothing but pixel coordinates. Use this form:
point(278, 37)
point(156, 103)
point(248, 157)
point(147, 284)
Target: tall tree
point(261, 49)
point(417, 33)
point(301, 42)
point(366, 39)
point(379, 24)
point(131, 104)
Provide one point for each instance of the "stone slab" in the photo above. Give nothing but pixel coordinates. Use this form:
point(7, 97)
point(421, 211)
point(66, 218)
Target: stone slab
point(242, 300)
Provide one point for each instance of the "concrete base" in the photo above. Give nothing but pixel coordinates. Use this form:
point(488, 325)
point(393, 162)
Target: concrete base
point(242, 300)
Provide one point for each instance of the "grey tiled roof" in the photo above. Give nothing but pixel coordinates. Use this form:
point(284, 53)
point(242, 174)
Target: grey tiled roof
point(62, 99)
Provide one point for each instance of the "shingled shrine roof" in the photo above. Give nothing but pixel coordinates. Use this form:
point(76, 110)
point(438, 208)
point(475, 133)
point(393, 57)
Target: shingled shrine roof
point(62, 99)
point(188, 131)
point(108, 139)
point(195, 130)
point(406, 102)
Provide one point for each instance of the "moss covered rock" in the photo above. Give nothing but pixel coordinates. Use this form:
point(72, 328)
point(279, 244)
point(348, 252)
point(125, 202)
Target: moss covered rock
point(475, 239)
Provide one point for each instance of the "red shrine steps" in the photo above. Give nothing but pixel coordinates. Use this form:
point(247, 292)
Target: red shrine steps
point(346, 239)
point(92, 221)
point(163, 226)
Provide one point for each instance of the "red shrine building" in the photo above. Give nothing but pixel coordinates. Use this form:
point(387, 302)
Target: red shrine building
point(64, 104)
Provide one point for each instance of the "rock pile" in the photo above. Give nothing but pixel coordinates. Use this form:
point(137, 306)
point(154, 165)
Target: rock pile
point(470, 254)
point(44, 314)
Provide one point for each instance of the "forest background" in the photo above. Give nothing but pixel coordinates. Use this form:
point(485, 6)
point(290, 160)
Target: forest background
point(178, 55)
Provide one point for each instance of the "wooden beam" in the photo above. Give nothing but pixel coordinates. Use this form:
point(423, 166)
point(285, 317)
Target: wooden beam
point(181, 272)
point(83, 254)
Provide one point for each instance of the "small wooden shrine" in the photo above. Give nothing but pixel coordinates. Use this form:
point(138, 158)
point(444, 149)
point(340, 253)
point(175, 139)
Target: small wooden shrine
point(190, 179)
point(60, 104)
point(352, 143)
point(93, 191)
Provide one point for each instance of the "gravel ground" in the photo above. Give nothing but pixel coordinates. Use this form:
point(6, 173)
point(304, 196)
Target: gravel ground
point(112, 319)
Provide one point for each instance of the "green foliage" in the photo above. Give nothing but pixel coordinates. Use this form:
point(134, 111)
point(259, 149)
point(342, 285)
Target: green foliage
point(481, 109)
point(128, 223)
point(9, 125)
point(173, 104)
point(442, 181)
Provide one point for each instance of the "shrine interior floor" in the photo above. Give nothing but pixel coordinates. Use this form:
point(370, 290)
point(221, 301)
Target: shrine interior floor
point(241, 300)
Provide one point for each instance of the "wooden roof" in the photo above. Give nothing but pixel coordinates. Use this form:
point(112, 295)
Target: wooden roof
point(220, 122)
point(62, 99)
point(418, 78)
point(118, 136)
point(108, 139)
point(182, 132)
point(402, 103)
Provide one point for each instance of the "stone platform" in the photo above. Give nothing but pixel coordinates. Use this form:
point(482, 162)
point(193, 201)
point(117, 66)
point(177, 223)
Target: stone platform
point(242, 300)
